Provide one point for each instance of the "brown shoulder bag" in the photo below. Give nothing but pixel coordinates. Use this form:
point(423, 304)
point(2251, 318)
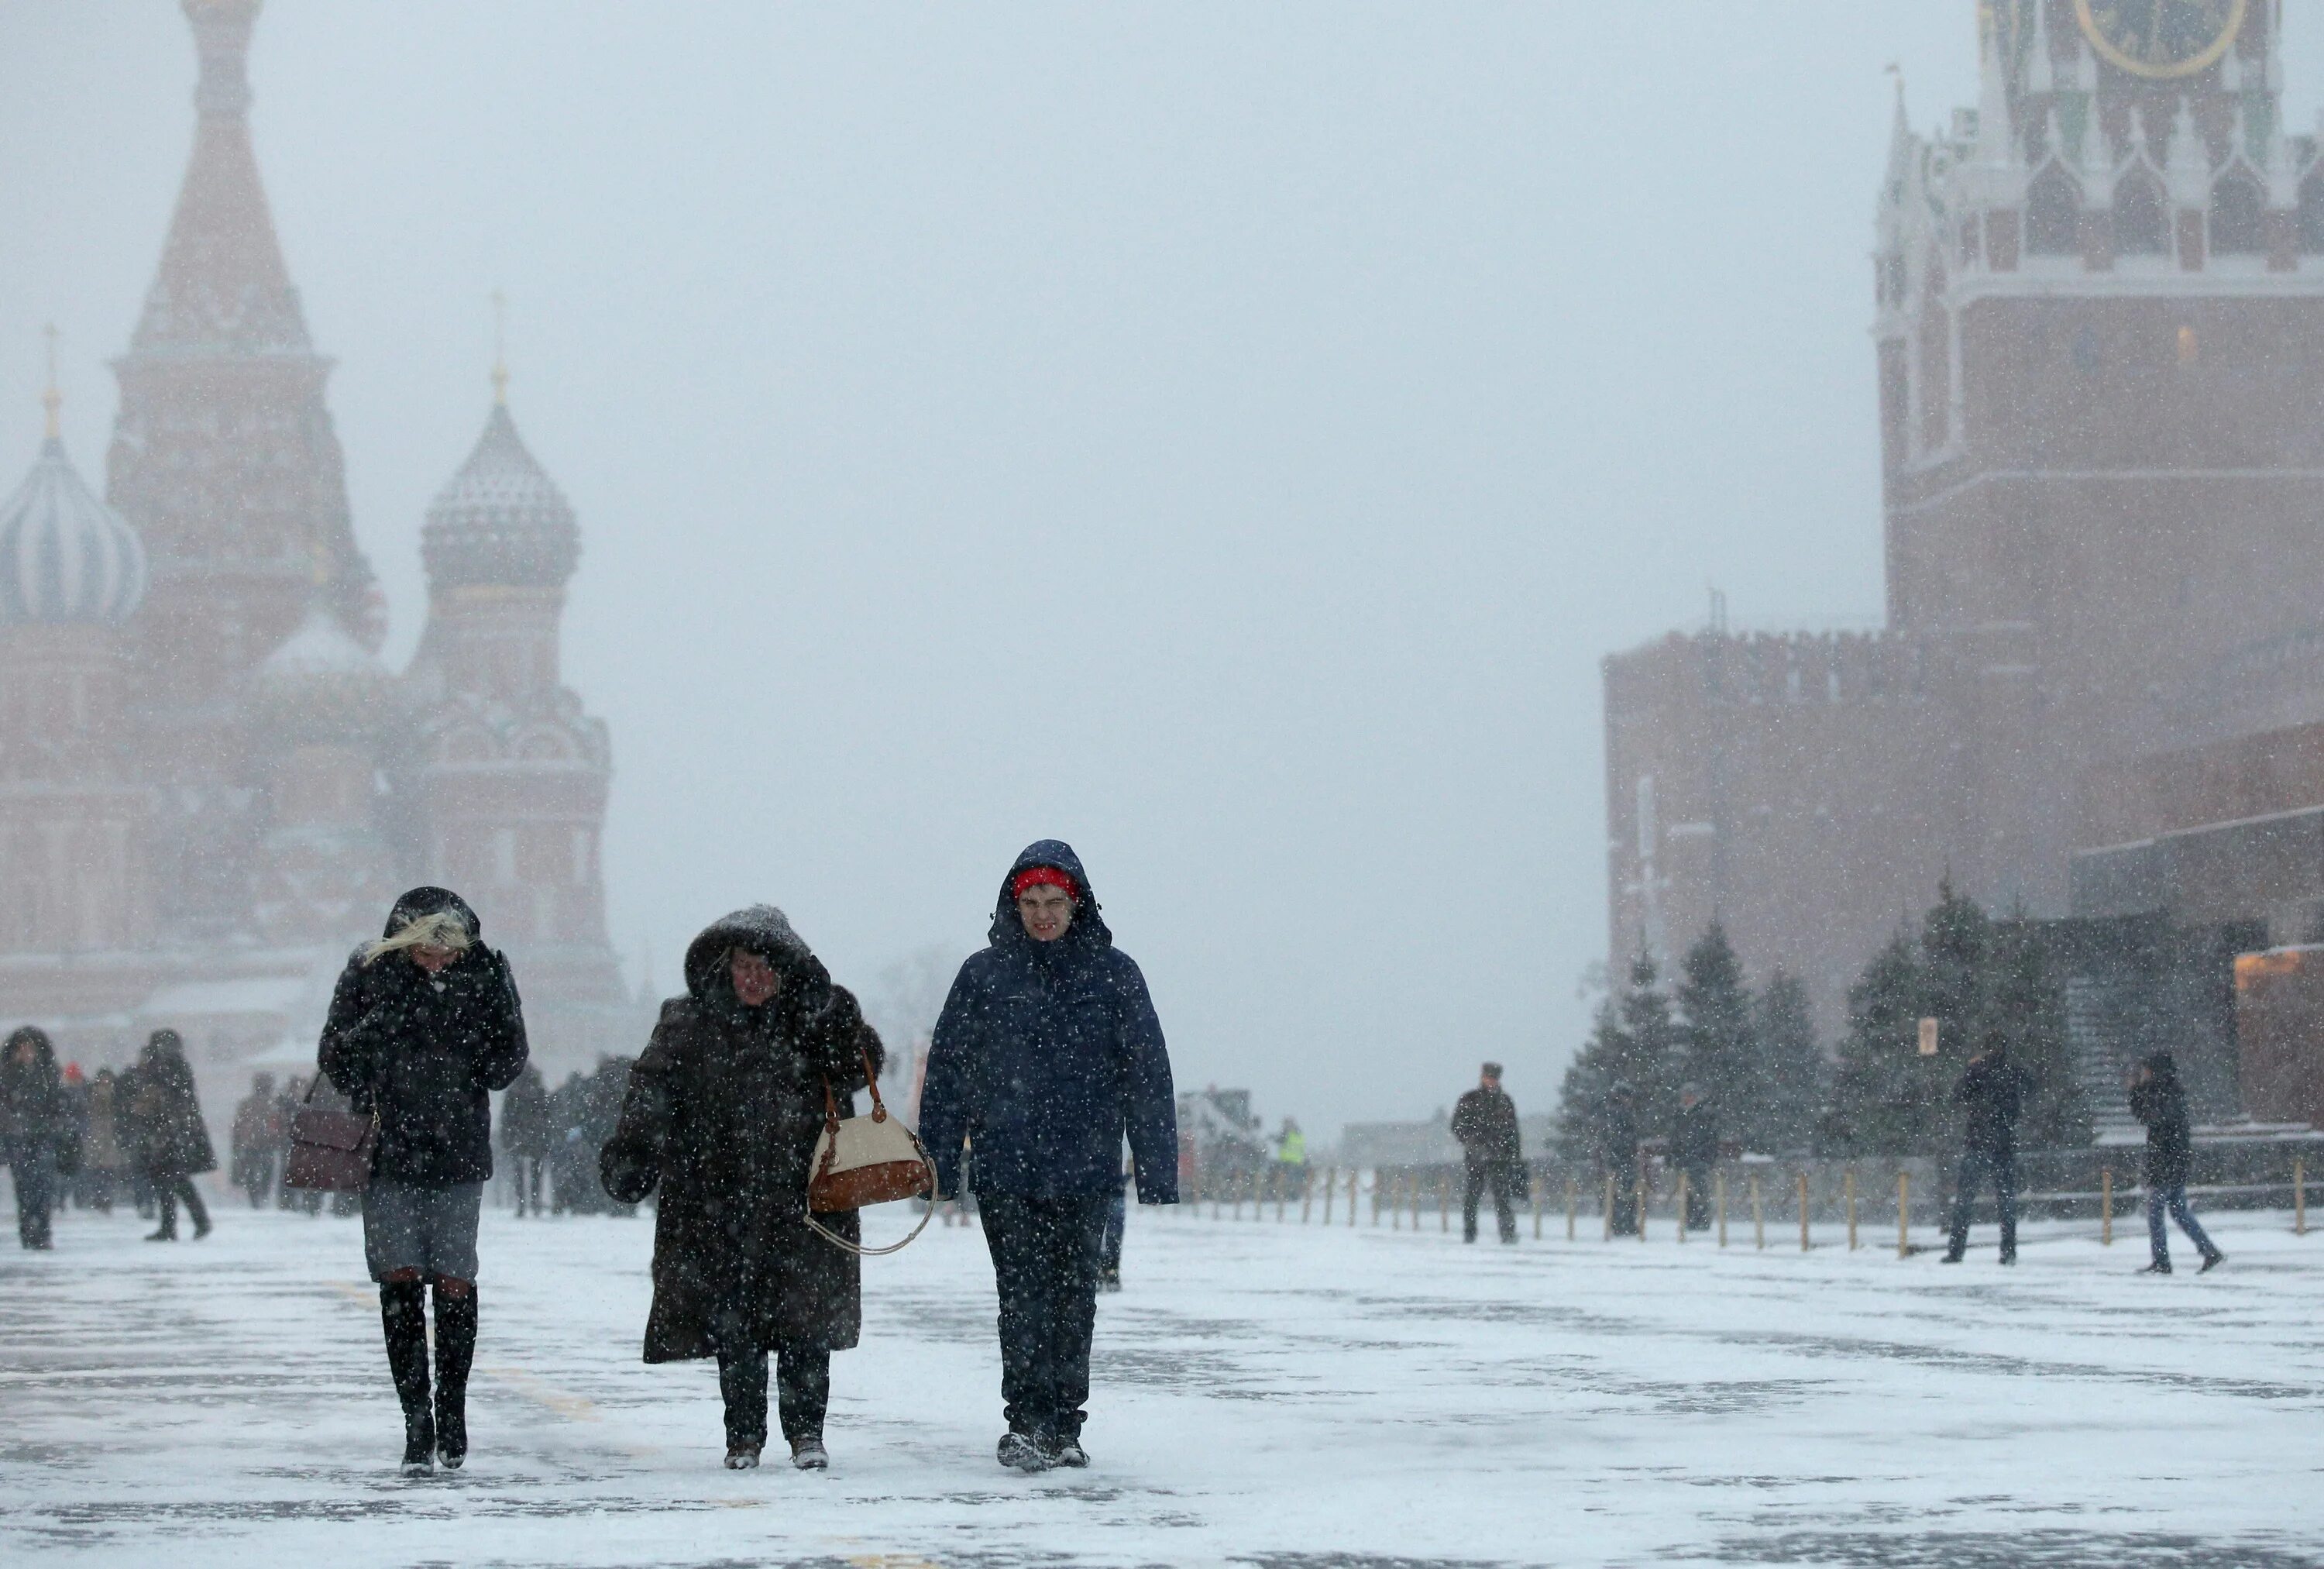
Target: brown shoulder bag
point(866, 1160)
point(331, 1151)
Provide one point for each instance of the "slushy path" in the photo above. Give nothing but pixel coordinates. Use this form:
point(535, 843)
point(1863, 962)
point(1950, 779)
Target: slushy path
point(1268, 1394)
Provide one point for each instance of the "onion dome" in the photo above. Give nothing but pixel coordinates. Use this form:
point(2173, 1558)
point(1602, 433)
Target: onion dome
point(64, 555)
point(322, 682)
point(500, 521)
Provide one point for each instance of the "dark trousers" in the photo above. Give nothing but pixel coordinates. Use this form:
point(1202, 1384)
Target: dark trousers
point(1978, 1167)
point(1504, 1178)
point(802, 1392)
point(1698, 1197)
point(525, 1178)
point(169, 1190)
point(36, 1198)
point(2173, 1199)
point(1117, 1220)
point(1044, 1260)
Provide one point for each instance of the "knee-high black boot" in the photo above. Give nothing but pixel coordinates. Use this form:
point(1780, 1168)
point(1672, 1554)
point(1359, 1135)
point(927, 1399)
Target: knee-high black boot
point(455, 1349)
point(404, 1315)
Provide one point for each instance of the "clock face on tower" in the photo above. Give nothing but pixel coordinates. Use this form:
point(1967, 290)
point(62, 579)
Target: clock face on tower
point(2160, 38)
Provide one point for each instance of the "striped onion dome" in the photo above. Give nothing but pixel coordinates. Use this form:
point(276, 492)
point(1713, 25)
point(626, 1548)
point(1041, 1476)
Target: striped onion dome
point(501, 519)
point(64, 555)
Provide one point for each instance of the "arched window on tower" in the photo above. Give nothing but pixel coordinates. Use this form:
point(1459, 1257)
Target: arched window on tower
point(2141, 225)
point(2053, 212)
point(2238, 216)
point(2311, 214)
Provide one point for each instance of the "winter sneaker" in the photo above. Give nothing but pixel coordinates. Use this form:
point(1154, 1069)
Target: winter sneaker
point(451, 1438)
point(1020, 1452)
point(1950, 1258)
point(742, 1457)
point(1110, 1281)
point(162, 1237)
point(809, 1454)
point(201, 1230)
point(2159, 1267)
point(419, 1444)
point(1068, 1454)
point(2211, 1263)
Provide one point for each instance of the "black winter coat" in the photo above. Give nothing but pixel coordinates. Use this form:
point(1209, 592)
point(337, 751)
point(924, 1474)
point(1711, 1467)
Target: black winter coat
point(424, 1051)
point(1046, 1055)
point(1990, 1092)
point(722, 1112)
point(2162, 1104)
point(172, 1140)
point(31, 1102)
point(1485, 1122)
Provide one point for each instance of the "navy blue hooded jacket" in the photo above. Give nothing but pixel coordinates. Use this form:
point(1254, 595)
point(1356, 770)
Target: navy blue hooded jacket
point(1045, 1055)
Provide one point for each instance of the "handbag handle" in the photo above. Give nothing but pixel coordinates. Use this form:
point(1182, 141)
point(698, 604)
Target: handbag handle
point(831, 1153)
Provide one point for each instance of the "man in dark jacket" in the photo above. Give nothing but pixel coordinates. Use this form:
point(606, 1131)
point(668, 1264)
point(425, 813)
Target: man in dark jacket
point(1047, 1052)
point(2157, 1100)
point(258, 1140)
point(424, 1025)
point(1493, 1153)
point(524, 1135)
point(1694, 1151)
point(1618, 1153)
point(1989, 1094)
point(32, 1128)
point(723, 1112)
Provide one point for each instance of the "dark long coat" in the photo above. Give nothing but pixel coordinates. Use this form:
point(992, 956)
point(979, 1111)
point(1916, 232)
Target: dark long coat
point(424, 1051)
point(32, 1101)
point(172, 1139)
point(1046, 1055)
point(1485, 1122)
point(2162, 1104)
point(723, 1112)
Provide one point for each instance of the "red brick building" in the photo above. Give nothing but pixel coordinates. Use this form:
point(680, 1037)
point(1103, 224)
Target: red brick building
point(2098, 312)
point(210, 786)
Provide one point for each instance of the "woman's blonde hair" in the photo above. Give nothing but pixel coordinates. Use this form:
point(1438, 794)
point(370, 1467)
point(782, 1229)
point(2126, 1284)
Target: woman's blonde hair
point(441, 929)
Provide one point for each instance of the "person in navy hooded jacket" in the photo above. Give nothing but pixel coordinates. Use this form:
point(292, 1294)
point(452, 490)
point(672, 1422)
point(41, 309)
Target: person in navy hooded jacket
point(1046, 1054)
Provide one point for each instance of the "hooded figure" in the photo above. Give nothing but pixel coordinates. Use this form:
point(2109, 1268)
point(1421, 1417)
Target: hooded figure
point(723, 1112)
point(424, 1025)
point(32, 1128)
point(1048, 1053)
point(174, 1143)
point(2157, 1100)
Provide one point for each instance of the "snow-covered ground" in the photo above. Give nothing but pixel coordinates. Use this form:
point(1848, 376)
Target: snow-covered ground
point(1272, 1395)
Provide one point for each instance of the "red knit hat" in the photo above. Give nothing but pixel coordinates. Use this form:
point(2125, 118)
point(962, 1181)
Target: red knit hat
point(1043, 877)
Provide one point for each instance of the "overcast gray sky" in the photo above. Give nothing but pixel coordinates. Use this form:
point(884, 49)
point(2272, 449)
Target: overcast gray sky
point(1224, 436)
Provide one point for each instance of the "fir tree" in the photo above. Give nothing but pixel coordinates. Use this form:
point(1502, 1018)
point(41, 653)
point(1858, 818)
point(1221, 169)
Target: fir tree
point(1635, 1041)
point(1720, 1047)
point(1793, 1070)
point(1879, 1091)
point(2027, 1009)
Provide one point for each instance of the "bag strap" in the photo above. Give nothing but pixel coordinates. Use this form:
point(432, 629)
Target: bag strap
point(860, 1251)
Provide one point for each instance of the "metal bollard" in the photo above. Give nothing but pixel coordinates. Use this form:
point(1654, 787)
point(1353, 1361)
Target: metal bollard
point(1354, 1177)
point(1758, 1216)
point(1642, 1204)
point(1572, 1207)
point(1282, 1197)
point(1847, 1188)
point(1719, 1198)
point(2105, 1207)
point(1445, 1202)
point(1331, 1190)
point(1681, 1203)
point(1535, 1180)
point(1610, 1206)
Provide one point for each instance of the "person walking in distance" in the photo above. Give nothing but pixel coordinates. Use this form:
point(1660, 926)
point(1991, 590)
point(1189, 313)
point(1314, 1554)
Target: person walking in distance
point(1694, 1151)
point(176, 1140)
point(1492, 1152)
point(1047, 1052)
point(723, 1112)
point(105, 1158)
point(424, 1023)
point(524, 1135)
point(257, 1145)
point(2157, 1100)
point(32, 1128)
point(1618, 1153)
point(1989, 1094)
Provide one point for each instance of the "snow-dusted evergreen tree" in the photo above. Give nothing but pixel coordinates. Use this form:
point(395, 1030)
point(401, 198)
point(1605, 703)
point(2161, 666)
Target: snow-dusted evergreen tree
point(1636, 1040)
point(2027, 1006)
point(1720, 1048)
point(1793, 1069)
point(1881, 1091)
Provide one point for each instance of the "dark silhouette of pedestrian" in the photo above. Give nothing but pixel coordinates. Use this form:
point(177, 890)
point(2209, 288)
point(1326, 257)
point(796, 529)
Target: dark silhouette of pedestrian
point(258, 1140)
point(524, 1136)
point(2157, 1100)
point(1492, 1152)
point(1618, 1153)
point(1989, 1093)
point(33, 1126)
point(176, 1140)
point(1694, 1151)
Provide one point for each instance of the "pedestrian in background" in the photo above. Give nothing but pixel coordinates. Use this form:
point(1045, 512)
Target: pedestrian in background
point(257, 1141)
point(104, 1158)
point(1618, 1153)
point(1492, 1152)
point(1047, 1052)
point(722, 1112)
point(524, 1136)
point(34, 1128)
point(1989, 1094)
point(1694, 1151)
point(424, 1025)
point(175, 1141)
point(2157, 1100)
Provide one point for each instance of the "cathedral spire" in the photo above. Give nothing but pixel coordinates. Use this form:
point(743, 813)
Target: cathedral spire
point(222, 283)
point(51, 400)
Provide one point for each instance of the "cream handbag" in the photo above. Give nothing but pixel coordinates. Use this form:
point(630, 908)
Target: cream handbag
point(866, 1160)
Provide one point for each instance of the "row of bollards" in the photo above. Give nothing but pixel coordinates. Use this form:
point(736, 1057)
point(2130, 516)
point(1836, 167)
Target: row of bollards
point(1401, 1196)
